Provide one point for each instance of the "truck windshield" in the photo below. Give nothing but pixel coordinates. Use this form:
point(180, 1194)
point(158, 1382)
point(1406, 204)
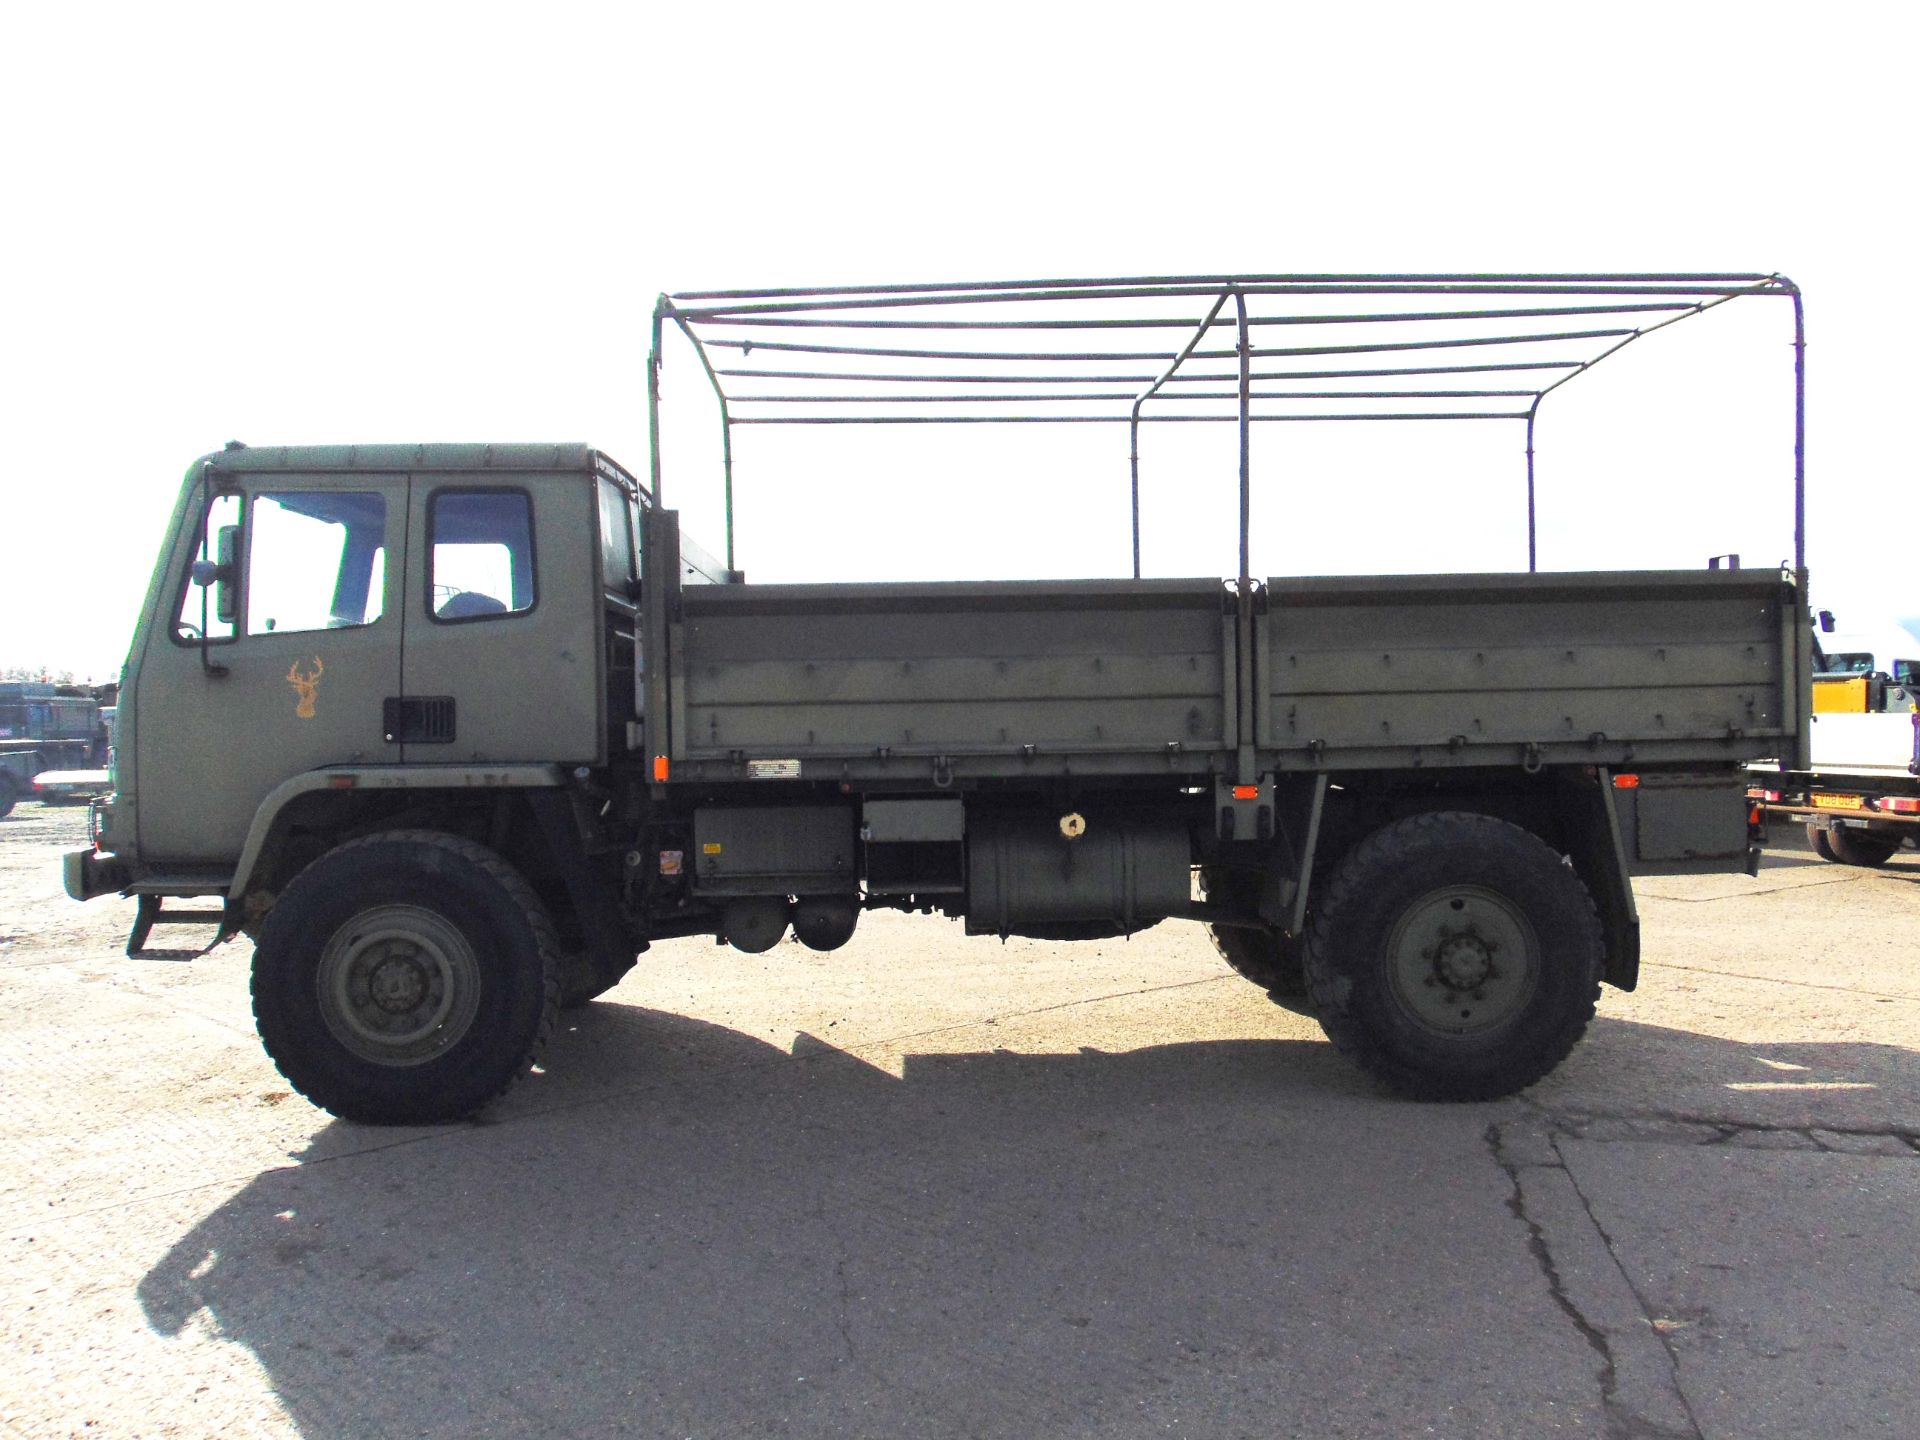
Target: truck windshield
point(1849, 662)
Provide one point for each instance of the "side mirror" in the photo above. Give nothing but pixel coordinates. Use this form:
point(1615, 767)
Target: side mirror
point(226, 594)
point(1826, 622)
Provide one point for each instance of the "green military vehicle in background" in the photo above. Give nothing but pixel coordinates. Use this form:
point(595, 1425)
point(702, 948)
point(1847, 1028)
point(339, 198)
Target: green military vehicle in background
point(45, 726)
point(456, 732)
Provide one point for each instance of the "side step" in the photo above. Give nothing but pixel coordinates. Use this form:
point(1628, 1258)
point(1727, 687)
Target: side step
point(149, 913)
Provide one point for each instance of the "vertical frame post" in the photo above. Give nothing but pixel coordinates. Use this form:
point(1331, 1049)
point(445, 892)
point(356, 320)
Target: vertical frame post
point(1134, 427)
point(1245, 348)
point(653, 401)
point(726, 427)
point(1247, 768)
point(1533, 551)
point(726, 462)
point(1799, 434)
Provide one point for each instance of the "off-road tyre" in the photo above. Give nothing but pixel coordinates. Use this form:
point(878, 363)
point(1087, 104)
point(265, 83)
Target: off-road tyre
point(1851, 847)
point(9, 793)
point(1267, 958)
point(1383, 957)
point(1820, 844)
point(444, 897)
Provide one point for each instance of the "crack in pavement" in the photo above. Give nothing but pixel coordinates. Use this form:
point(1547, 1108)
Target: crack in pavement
point(1543, 1257)
point(1641, 1389)
point(1672, 1127)
point(1646, 1310)
point(1625, 1398)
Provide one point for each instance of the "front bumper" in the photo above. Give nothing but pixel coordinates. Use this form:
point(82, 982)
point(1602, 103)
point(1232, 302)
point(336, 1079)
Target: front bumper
point(89, 874)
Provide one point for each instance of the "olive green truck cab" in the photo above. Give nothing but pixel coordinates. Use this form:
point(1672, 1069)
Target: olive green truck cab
point(456, 732)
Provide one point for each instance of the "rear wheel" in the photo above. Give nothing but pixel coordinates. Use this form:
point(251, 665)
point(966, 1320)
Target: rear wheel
point(1855, 847)
point(9, 792)
point(1455, 957)
point(1820, 844)
point(1267, 958)
point(406, 978)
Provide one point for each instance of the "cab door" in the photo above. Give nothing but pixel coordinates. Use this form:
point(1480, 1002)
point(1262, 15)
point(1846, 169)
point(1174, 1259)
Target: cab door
point(279, 656)
point(503, 654)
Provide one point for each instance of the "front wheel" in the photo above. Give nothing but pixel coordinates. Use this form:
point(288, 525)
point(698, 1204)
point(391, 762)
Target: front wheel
point(406, 978)
point(1455, 957)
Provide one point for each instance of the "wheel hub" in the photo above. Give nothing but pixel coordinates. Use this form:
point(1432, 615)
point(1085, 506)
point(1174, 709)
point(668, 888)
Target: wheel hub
point(1463, 960)
point(398, 985)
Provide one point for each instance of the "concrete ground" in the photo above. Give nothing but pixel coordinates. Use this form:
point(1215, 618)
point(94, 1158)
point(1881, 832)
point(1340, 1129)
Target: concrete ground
point(944, 1187)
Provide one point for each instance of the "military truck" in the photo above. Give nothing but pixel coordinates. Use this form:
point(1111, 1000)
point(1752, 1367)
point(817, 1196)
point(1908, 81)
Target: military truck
point(43, 727)
point(457, 732)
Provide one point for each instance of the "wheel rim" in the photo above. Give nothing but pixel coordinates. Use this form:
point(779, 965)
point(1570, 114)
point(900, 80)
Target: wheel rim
point(1463, 961)
point(398, 985)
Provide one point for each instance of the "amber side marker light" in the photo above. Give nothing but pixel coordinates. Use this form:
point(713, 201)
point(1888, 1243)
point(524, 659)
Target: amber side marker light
point(1246, 792)
point(660, 768)
point(1626, 782)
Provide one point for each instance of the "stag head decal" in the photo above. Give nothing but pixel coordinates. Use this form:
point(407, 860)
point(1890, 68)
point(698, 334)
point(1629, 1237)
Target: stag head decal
point(306, 686)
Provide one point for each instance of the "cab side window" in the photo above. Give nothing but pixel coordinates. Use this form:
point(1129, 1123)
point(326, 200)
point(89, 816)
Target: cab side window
point(313, 560)
point(481, 543)
point(616, 538)
point(316, 560)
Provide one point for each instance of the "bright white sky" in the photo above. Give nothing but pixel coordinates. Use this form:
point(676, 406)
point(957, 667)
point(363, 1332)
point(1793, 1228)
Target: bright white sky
point(391, 222)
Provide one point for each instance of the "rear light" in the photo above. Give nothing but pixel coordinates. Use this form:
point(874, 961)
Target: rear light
point(1900, 804)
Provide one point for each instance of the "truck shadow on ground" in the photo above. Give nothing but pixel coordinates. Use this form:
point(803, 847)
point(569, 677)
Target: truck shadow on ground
point(683, 1230)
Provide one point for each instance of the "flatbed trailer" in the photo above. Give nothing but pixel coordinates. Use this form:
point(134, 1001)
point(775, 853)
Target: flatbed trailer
point(1859, 797)
point(530, 729)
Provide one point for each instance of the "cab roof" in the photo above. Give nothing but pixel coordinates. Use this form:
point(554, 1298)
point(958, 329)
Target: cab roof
point(518, 459)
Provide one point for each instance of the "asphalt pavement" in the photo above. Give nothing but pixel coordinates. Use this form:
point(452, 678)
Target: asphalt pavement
point(933, 1186)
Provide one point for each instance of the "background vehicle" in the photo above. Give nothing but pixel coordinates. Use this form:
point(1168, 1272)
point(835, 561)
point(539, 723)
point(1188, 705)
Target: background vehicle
point(1859, 796)
point(45, 727)
point(455, 732)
